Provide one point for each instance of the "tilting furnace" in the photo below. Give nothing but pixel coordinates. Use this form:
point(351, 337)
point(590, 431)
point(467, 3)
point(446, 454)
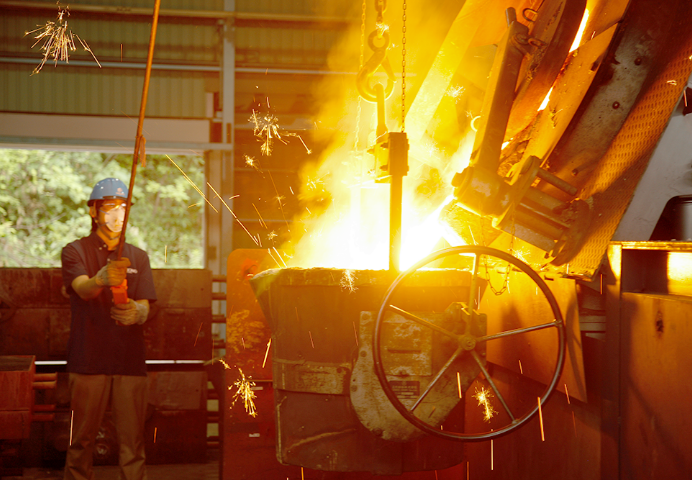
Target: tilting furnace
point(553, 344)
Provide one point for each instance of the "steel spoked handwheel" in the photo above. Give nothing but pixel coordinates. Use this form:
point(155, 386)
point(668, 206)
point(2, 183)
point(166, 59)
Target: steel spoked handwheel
point(467, 342)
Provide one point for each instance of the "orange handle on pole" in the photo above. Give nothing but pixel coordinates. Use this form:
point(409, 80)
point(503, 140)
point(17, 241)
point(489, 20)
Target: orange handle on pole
point(120, 293)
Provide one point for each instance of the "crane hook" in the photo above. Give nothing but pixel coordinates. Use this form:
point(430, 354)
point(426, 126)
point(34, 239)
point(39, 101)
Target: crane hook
point(378, 59)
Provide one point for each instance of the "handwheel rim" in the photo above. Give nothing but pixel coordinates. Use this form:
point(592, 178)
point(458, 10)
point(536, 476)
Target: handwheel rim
point(559, 325)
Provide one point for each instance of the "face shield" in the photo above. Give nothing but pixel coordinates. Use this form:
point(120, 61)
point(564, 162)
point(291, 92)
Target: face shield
point(113, 216)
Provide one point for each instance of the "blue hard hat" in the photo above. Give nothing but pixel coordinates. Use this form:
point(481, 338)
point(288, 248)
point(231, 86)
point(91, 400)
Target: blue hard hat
point(108, 189)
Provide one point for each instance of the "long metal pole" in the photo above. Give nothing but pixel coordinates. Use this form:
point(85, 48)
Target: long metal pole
point(395, 198)
point(139, 140)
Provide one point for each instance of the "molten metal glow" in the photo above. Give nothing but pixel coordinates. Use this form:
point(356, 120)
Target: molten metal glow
point(345, 222)
point(580, 32)
point(419, 240)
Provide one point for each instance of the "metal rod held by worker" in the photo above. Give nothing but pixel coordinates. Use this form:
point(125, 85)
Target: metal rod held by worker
point(139, 140)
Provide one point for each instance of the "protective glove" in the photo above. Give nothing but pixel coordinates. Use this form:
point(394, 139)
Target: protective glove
point(113, 273)
point(129, 313)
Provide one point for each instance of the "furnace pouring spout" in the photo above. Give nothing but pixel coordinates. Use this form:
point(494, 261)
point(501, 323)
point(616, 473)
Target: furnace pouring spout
point(511, 202)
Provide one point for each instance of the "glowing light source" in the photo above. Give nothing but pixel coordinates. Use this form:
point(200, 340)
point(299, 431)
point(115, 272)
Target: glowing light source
point(420, 239)
point(580, 32)
point(545, 100)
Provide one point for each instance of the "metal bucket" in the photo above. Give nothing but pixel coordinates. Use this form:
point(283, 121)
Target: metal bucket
point(314, 315)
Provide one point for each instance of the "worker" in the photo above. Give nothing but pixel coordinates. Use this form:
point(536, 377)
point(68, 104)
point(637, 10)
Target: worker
point(106, 353)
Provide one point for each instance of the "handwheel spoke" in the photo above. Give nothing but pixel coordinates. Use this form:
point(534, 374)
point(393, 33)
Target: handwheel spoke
point(518, 331)
point(432, 383)
point(422, 321)
point(492, 384)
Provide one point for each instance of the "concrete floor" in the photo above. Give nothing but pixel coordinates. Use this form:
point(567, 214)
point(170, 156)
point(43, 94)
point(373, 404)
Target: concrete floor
point(183, 471)
point(201, 471)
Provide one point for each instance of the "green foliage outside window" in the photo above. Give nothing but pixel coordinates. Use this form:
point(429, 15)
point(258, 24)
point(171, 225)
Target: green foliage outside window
point(43, 205)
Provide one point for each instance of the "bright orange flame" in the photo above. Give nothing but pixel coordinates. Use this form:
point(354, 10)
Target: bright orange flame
point(420, 238)
point(353, 232)
point(358, 238)
point(580, 32)
point(545, 100)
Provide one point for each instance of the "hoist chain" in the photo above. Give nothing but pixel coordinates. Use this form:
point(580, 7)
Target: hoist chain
point(380, 7)
point(403, 68)
point(377, 60)
point(360, 66)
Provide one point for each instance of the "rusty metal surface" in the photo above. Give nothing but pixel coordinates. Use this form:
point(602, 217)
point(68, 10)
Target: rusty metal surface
point(571, 449)
point(315, 316)
point(311, 377)
point(656, 432)
point(178, 390)
point(17, 397)
point(332, 440)
point(411, 357)
point(556, 25)
point(16, 379)
point(35, 317)
point(247, 332)
point(249, 443)
point(623, 74)
point(576, 78)
point(534, 354)
point(616, 175)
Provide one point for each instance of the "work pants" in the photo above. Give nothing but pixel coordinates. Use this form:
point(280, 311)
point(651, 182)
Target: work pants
point(89, 400)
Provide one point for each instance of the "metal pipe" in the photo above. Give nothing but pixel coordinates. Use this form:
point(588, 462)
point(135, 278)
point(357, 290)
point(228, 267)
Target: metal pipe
point(192, 68)
point(207, 14)
point(45, 385)
point(497, 103)
point(556, 182)
point(397, 146)
point(395, 199)
point(548, 202)
point(532, 219)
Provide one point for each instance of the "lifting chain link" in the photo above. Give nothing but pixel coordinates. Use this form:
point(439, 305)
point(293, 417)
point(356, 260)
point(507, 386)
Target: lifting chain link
point(505, 281)
point(360, 66)
point(403, 68)
point(380, 7)
point(377, 60)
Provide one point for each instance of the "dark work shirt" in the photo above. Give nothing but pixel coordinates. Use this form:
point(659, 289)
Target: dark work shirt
point(98, 345)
